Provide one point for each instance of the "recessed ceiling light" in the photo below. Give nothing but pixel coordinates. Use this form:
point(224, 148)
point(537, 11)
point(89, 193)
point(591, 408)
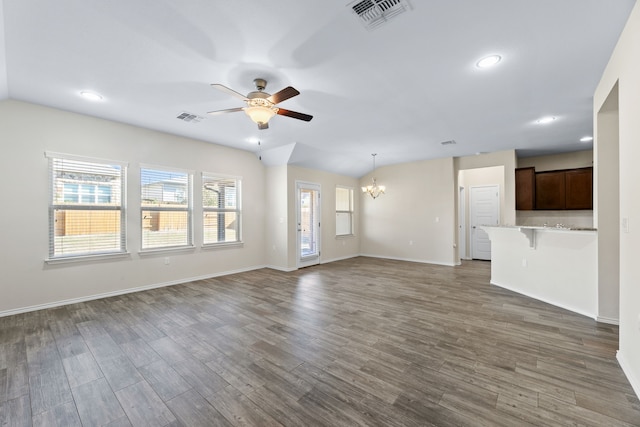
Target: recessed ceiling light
point(545, 120)
point(586, 139)
point(488, 61)
point(92, 96)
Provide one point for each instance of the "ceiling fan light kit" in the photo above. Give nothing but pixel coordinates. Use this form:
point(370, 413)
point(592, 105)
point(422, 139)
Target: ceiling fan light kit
point(261, 106)
point(259, 114)
point(374, 190)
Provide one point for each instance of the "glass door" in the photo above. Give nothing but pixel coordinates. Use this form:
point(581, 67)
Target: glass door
point(308, 198)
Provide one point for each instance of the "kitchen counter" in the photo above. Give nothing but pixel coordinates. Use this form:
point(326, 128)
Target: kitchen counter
point(553, 264)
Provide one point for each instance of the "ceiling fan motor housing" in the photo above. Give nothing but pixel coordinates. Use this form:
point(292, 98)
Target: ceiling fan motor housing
point(261, 84)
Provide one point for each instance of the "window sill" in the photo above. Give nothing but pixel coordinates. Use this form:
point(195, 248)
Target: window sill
point(222, 245)
point(159, 251)
point(86, 258)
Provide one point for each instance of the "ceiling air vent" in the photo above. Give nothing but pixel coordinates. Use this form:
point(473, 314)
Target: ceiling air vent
point(373, 13)
point(188, 117)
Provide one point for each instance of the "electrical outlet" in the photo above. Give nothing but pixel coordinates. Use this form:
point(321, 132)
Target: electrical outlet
point(167, 261)
point(524, 262)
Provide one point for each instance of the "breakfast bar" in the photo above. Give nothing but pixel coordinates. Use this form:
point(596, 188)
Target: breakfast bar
point(556, 265)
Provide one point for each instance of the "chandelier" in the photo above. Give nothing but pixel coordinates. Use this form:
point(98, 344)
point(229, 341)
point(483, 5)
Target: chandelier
point(374, 190)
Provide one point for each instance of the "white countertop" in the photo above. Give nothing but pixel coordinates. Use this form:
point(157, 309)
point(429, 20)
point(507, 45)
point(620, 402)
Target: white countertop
point(541, 227)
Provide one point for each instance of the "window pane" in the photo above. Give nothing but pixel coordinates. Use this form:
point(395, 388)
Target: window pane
point(165, 229)
point(343, 199)
point(85, 207)
point(86, 231)
point(87, 194)
point(162, 188)
point(220, 227)
point(70, 193)
point(77, 182)
point(104, 194)
point(219, 192)
point(343, 223)
point(221, 203)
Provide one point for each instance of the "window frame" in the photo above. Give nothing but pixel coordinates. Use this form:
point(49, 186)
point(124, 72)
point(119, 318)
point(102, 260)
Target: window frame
point(208, 177)
point(63, 205)
point(188, 209)
point(350, 212)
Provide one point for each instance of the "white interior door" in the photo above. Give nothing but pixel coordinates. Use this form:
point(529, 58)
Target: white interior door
point(484, 210)
point(308, 241)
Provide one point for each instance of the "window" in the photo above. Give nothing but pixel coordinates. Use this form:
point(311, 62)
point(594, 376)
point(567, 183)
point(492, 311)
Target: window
point(86, 207)
point(344, 211)
point(166, 208)
point(221, 209)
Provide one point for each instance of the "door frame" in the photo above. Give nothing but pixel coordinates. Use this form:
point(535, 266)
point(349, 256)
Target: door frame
point(313, 259)
point(462, 223)
point(471, 213)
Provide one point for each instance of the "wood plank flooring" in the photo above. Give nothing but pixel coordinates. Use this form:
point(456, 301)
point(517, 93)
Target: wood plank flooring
point(352, 343)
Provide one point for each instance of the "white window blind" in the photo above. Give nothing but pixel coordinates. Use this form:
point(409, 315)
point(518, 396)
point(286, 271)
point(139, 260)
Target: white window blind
point(166, 211)
point(86, 206)
point(221, 209)
point(344, 211)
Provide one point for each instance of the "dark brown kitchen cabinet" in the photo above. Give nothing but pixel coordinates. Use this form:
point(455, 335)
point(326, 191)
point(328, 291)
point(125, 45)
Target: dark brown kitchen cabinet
point(564, 189)
point(550, 190)
point(579, 189)
point(525, 189)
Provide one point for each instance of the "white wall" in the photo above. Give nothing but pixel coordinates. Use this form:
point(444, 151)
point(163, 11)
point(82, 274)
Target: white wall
point(608, 205)
point(493, 175)
point(624, 68)
point(576, 159)
point(4, 86)
point(506, 159)
point(27, 131)
point(415, 220)
point(277, 217)
point(560, 268)
point(332, 248)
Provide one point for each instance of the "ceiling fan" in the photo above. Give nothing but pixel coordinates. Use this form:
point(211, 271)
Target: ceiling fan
point(261, 106)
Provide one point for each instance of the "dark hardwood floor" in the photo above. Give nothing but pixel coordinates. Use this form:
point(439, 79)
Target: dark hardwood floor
point(356, 342)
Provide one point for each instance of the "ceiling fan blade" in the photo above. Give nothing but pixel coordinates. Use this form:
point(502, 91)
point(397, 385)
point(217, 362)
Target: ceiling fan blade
point(229, 91)
point(294, 114)
point(228, 110)
point(262, 126)
point(283, 95)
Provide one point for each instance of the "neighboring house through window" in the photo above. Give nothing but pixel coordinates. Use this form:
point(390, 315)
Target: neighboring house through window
point(86, 208)
point(166, 208)
point(344, 211)
point(221, 209)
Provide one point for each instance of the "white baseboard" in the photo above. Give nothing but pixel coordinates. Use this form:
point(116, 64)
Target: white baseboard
point(60, 303)
point(421, 261)
point(608, 320)
point(634, 381)
point(278, 268)
point(530, 295)
point(326, 261)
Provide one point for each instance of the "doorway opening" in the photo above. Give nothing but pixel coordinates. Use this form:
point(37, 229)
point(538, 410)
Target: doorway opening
point(308, 220)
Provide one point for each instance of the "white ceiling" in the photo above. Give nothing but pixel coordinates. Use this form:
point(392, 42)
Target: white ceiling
point(399, 90)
